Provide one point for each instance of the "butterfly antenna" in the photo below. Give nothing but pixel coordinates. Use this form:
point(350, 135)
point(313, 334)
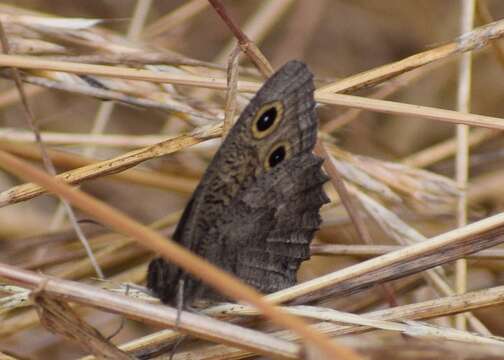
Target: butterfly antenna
point(90, 221)
point(123, 320)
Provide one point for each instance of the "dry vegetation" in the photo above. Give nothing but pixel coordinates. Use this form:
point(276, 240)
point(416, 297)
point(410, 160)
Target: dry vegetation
point(130, 100)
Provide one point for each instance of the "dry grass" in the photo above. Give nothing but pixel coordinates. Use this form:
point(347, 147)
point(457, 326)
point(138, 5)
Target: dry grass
point(403, 187)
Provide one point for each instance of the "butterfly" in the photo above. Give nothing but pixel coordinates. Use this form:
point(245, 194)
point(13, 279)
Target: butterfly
point(256, 209)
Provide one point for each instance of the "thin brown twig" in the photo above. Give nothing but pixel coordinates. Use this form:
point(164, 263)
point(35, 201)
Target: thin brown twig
point(259, 25)
point(350, 206)
point(247, 46)
point(346, 198)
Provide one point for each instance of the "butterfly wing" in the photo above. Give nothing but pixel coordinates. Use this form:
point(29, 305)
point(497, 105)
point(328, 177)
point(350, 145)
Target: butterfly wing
point(256, 209)
point(269, 256)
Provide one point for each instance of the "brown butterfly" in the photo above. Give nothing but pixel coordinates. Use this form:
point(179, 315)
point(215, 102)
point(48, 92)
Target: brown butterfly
point(256, 208)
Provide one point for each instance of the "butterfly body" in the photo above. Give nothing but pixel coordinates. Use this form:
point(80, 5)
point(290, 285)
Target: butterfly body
point(257, 206)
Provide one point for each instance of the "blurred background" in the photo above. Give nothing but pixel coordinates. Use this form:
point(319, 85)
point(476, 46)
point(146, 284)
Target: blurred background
point(336, 39)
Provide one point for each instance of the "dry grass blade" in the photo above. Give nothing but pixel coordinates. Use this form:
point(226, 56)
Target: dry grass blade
point(59, 318)
point(405, 234)
point(462, 155)
point(19, 298)
point(447, 148)
point(114, 165)
point(34, 63)
point(219, 279)
point(174, 18)
point(4, 356)
point(469, 41)
point(231, 94)
point(420, 190)
point(66, 160)
point(390, 107)
point(103, 140)
point(133, 158)
point(383, 92)
point(414, 258)
point(158, 314)
point(418, 311)
point(48, 165)
point(345, 197)
point(411, 328)
point(367, 251)
point(102, 92)
point(106, 109)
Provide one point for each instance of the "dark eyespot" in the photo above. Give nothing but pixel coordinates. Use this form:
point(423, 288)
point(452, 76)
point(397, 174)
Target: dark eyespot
point(266, 119)
point(277, 156)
